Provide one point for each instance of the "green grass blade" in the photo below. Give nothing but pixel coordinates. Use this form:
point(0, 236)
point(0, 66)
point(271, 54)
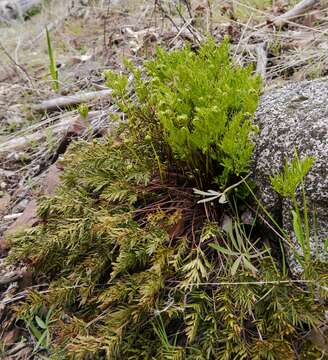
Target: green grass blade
point(52, 65)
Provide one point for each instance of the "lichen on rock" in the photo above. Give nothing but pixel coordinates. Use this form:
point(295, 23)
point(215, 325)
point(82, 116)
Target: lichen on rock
point(295, 117)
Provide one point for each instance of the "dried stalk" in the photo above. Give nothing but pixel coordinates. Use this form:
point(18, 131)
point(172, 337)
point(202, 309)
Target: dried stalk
point(262, 60)
point(296, 11)
point(65, 101)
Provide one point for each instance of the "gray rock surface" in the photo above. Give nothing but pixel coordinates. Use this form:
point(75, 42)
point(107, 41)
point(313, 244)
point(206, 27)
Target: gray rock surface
point(15, 9)
point(11, 10)
point(295, 117)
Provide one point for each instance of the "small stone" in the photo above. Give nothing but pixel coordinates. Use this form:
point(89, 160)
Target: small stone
point(52, 179)
point(20, 206)
point(247, 217)
point(226, 223)
point(4, 247)
point(11, 337)
point(26, 280)
point(27, 219)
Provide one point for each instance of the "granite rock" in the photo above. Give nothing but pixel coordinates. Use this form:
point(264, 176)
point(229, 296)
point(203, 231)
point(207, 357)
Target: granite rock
point(295, 117)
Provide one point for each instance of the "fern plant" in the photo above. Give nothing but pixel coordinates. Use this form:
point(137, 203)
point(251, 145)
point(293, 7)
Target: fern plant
point(196, 109)
point(286, 184)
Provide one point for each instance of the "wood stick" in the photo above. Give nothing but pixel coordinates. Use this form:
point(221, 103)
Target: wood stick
point(262, 60)
point(64, 101)
point(17, 143)
point(17, 65)
point(297, 10)
point(7, 279)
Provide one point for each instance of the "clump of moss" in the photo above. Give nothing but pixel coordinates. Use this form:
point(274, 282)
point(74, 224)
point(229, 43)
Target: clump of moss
point(138, 268)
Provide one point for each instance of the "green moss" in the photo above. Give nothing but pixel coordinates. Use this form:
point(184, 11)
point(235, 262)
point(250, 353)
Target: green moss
point(115, 271)
point(139, 270)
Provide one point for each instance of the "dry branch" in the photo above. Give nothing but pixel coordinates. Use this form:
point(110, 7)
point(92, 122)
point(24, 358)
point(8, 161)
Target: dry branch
point(64, 101)
point(7, 279)
point(20, 142)
point(296, 11)
point(262, 60)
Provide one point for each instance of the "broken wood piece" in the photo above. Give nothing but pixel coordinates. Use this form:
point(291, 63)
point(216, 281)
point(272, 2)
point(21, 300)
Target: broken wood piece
point(16, 143)
point(64, 101)
point(7, 279)
point(22, 141)
point(27, 219)
point(22, 295)
point(12, 216)
point(296, 11)
point(16, 348)
point(262, 59)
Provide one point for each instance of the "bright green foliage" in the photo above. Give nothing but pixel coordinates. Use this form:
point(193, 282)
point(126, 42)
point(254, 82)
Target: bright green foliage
point(123, 286)
point(241, 249)
point(52, 63)
point(83, 110)
point(286, 184)
point(39, 324)
point(197, 104)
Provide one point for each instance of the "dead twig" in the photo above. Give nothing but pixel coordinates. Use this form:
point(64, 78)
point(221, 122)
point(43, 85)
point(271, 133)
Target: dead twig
point(7, 279)
point(105, 31)
point(262, 59)
point(19, 142)
point(296, 11)
point(12, 60)
point(188, 25)
point(165, 14)
point(65, 101)
point(210, 16)
point(188, 6)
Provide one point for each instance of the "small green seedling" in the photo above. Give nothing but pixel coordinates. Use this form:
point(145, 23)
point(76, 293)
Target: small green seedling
point(50, 139)
point(39, 328)
point(83, 110)
point(52, 63)
point(240, 249)
point(286, 184)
